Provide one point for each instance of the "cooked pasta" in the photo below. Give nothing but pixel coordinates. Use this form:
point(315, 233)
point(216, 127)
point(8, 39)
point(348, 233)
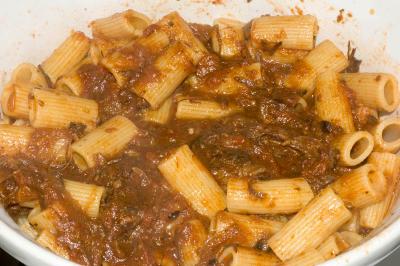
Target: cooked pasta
point(169, 143)
point(275, 196)
point(311, 226)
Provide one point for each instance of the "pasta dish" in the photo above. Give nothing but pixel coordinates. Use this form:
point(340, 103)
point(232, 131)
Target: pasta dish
point(175, 143)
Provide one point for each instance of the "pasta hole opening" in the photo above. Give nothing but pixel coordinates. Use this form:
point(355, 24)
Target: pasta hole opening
point(227, 256)
point(389, 92)
point(359, 148)
point(391, 133)
point(79, 160)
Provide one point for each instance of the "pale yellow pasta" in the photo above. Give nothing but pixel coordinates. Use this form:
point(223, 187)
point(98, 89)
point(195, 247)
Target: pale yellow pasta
point(239, 256)
point(362, 186)
point(120, 62)
point(58, 110)
point(27, 73)
point(288, 56)
point(172, 67)
point(14, 139)
point(268, 197)
point(95, 53)
point(71, 84)
point(373, 215)
point(311, 226)
point(30, 204)
point(376, 90)
point(27, 228)
point(351, 238)
point(295, 32)
point(106, 140)
point(88, 196)
point(162, 115)
point(230, 82)
point(125, 25)
point(386, 162)
point(227, 37)
point(201, 109)
point(14, 100)
point(324, 57)
point(331, 103)
point(194, 239)
point(177, 29)
point(333, 246)
point(66, 56)
point(44, 220)
point(252, 228)
point(310, 257)
point(387, 135)
point(354, 147)
point(353, 225)
point(48, 240)
point(187, 175)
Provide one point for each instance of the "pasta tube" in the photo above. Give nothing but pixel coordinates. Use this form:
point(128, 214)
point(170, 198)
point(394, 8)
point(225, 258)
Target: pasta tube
point(387, 135)
point(56, 110)
point(125, 25)
point(27, 228)
point(253, 228)
point(239, 256)
point(295, 32)
point(26, 73)
point(331, 103)
point(178, 30)
point(45, 145)
point(161, 79)
point(376, 90)
point(333, 246)
point(162, 115)
point(354, 147)
point(361, 187)
point(186, 174)
point(311, 226)
point(200, 109)
point(324, 57)
point(88, 196)
point(71, 84)
point(272, 197)
point(98, 142)
point(66, 56)
point(227, 37)
point(14, 100)
point(48, 240)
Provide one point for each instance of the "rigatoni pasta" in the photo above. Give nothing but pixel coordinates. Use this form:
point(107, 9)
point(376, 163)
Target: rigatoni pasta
point(235, 256)
point(55, 109)
point(66, 56)
point(235, 144)
point(311, 226)
point(331, 103)
point(124, 25)
point(387, 135)
point(201, 109)
point(227, 37)
point(376, 90)
point(361, 187)
point(98, 142)
point(171, 68)
point(354, 147)
point(295, 32)
point(185, 173)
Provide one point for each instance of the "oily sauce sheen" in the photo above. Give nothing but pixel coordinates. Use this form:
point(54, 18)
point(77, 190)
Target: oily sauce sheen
point(142, 220)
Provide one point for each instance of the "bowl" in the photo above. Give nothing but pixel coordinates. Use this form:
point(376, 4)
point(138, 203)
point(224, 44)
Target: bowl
point(31, 29)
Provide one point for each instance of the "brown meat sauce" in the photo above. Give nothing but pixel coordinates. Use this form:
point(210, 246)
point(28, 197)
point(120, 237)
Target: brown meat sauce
point(141, 216)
